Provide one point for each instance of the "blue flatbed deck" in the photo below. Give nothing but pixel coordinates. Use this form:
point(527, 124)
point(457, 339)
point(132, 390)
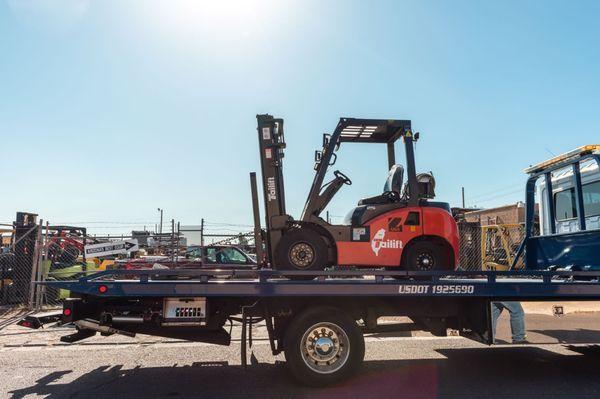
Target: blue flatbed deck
point(270, 283)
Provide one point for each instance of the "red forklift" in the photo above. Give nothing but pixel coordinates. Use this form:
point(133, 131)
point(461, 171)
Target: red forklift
point(401, 228)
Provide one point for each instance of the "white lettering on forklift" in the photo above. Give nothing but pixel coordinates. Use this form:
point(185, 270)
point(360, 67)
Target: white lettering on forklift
point(378, 242)
point(413, 289)
point(271, 193)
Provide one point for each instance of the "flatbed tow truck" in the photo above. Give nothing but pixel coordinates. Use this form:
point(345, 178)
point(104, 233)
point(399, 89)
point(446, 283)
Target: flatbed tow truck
point(317, 318)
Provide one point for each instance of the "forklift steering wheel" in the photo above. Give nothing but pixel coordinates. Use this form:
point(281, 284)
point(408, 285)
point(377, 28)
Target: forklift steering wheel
point(342, 176)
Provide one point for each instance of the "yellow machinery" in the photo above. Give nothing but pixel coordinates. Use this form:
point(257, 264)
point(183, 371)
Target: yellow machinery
point(499, 243)
point(102, 264)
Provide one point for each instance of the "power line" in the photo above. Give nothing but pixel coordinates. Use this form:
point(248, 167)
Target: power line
point(226, 224)
point(111, 222)
point(493, 192)
point(499, 196)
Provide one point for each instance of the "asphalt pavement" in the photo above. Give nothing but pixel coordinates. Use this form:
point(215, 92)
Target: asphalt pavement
point(35, 364)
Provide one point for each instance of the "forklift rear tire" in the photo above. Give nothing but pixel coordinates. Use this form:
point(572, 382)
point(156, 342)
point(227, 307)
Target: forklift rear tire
point(323, 346)
point(424, 256)
point(301, 250)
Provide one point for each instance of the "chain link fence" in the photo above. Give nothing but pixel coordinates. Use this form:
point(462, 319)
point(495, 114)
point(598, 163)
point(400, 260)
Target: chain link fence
point(489, 247)
point(35, 251)
point(39, 252)
point(18, 266)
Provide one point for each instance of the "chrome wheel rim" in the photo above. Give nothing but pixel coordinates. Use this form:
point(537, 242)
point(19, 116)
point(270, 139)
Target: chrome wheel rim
point(325, 348)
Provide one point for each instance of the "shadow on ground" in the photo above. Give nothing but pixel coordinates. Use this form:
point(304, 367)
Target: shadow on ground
point(489, 373)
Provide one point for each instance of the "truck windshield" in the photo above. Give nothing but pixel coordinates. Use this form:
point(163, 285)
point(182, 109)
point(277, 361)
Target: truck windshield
point(565, 202)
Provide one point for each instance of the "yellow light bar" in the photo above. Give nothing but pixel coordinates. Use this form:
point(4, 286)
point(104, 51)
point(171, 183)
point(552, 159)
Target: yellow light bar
point(583, 150)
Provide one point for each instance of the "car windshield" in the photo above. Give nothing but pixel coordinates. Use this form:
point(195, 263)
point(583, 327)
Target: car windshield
point(225, 255)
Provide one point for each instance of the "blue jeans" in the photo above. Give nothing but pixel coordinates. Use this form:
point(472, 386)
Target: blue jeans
point(517, 318)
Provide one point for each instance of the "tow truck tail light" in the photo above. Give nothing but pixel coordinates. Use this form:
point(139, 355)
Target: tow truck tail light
point(72, 309)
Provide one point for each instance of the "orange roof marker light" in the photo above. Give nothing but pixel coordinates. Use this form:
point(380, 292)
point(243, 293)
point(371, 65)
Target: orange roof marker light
point(578, 152)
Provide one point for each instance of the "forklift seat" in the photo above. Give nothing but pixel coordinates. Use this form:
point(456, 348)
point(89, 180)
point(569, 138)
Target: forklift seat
point(393, 184)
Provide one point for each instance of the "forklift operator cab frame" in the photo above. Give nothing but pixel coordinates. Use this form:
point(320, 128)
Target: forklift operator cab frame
point(351, 130)
point(392, 222)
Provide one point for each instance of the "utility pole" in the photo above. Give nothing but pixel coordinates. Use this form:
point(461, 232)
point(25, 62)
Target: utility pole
point(178, 238)
point(463, 196)
point(161, 220)
point(172, 240)
point(201, 232)
point(159, 231)
point(202, 250)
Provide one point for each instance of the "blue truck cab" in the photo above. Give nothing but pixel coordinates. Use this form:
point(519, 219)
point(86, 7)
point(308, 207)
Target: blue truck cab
point(565, 192)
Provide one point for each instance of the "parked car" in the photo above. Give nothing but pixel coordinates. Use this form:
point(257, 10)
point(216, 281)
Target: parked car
point(220, 255)
point(210, 256)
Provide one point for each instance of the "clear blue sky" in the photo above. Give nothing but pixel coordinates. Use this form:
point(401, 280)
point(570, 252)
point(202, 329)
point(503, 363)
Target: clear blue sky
point(110, 109)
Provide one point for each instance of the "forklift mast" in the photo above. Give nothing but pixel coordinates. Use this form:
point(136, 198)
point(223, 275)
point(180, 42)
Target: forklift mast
point(271, 145)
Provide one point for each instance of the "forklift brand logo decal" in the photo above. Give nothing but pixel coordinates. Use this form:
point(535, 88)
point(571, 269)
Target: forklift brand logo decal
point(271, 189)
point(378, 242)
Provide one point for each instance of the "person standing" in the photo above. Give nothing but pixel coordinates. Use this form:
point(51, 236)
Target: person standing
point(517, 320)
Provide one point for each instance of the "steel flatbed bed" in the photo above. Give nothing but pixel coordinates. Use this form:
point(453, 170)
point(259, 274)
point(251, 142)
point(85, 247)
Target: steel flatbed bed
point(516, 285)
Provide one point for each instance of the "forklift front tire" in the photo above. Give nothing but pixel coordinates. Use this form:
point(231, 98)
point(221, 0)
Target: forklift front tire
point(301, 249)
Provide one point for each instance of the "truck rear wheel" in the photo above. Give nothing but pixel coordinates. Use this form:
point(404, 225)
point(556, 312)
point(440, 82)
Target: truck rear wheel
point(301, 249)
point(323, 346)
